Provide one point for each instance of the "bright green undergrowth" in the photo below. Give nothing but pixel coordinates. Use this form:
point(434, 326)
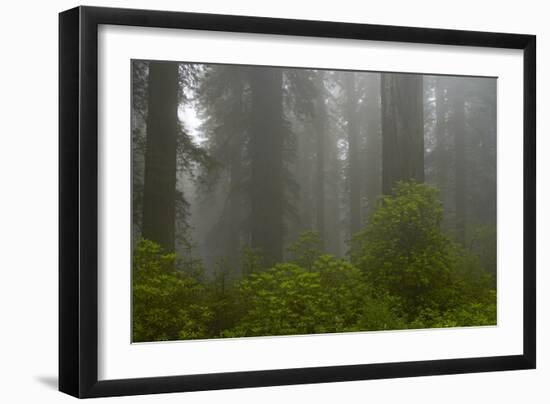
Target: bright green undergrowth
point(402, 272)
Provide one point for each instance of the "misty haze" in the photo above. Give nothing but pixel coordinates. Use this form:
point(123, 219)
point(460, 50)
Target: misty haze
point(282, 201)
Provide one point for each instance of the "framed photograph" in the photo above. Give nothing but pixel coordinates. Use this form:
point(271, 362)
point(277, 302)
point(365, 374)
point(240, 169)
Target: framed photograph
point(251, 201)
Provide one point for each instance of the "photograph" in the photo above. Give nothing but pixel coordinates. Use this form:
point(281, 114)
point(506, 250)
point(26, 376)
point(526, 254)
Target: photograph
point(272, 201)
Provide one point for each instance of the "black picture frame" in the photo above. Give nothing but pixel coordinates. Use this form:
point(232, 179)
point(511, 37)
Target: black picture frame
point(78, 201)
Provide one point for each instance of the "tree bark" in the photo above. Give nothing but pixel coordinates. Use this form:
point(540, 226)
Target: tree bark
point(266, 152)
point(234, 232)
point(333, 202)
point(373, 143)
point(402, 129)
point(459, 129)
point(354, 168)
point(441, 157)
point(159, 195)
point(321, 129)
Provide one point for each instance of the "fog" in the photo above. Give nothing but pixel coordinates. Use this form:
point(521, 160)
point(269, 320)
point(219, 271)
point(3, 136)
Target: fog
point(261, 158)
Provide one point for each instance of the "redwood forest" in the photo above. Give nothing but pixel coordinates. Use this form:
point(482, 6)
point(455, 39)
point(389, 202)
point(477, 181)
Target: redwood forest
point(273, 201)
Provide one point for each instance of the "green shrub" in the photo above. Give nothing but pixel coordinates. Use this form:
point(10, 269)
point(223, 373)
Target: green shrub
point(484, 244)
point(403, 272)
point(402, 249)
point(306, 249)
point(167, 303)
point(332, 296)
point(252, 261)
point(466, 314)
point(279, 301)
point(351, 301)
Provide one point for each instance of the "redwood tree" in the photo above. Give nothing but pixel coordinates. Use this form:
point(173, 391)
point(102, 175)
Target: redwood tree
point(402, 129)
point(266, 159)
point(159, 191)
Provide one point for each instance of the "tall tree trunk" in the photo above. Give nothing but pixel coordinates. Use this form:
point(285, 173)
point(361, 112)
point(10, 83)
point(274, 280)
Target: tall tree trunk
point(442, 150)
point(236, 173)
point(441, 156)
point(266, 149)
point(459, 129)
point(373, 143)
point(321, 129)
point(159, 194)
point(306, 178)
point(354, 168)
point(139, 137)
point(489, 153)
point(402, 129)
point(333, 195)
point(234, 231)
